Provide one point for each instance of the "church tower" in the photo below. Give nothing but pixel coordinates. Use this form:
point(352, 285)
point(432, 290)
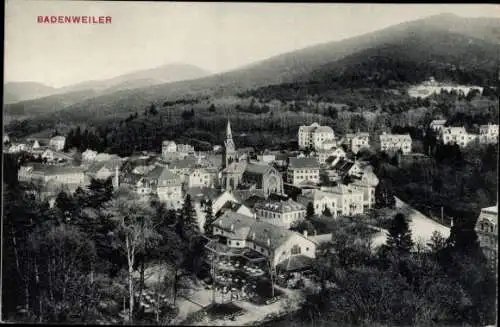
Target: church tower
point(229, 153)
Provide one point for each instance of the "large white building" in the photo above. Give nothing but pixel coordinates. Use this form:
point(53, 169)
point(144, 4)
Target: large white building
point(488, 134)
point(487, 232)
point(314, 136)
point(357, 141)
point(395, 142)
point(437, 125)
point(301, 170)
point(332, 155)
point(280, 213)
point(57, 142)
point(340, 200)
point(457, 135)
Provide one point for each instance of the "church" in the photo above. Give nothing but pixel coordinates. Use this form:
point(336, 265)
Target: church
point(243, 174)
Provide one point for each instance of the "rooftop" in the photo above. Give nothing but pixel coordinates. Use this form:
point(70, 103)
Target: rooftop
point(303, 163)
point(280, 206)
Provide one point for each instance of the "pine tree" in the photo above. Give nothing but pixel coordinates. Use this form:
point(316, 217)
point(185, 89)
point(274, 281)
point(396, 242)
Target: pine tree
point(209, 219)
point(327, 212)
point(310, 210)
point(399, 237)
point(187, 221)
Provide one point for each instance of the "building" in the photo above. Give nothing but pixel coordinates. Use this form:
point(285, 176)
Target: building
point(366, 183)
point(267, 157)
point(488, 134)
point(52, 156)
point(60, 175)
point(395, 142)
point(302, 170)
point(57, 142)
point(201, 177)
point(330, 156)
point(103, 169)
point(164, 183)
point(437, 125)
point(237, 173)
point(487, 232)
point(168, 148)
point(18, 147)
point(185, 149)
point(6, 138)
point(89, 155)
point(458, 135)
point(341, 200)
point(314, 135)
point(356, 142)
point(280, 213)
point(274, 243)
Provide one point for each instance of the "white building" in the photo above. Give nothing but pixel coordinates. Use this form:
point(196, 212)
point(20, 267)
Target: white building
point(201, 177)
point(314, 135)
point(333, 154)
point(301, 170)
point(357, 141)
point(487, 232)
point(395, 142)
point(18, 147)
point(437, 125)
point(280, 213)
point(89, 155)
point(57, 142)
point(457, 135)
point(488, 134)
point(341, 200)
point(6, 138)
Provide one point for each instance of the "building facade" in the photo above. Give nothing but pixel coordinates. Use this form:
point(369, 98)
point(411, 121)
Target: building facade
point(488, 134)
point(395, 142)
point(280, 213)
point(301, 170)
point(314, 136)
point(487, 232)
point(57, 142)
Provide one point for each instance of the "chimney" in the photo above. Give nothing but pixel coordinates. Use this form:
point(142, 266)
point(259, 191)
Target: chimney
point(305, 233)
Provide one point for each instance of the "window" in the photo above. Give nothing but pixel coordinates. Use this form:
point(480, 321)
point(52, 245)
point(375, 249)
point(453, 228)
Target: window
point(307, 249)
point(295, 250)
point(237, 243)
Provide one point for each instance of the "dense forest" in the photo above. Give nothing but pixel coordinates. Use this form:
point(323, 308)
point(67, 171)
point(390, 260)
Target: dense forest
point(444, 282)
point(83, 260)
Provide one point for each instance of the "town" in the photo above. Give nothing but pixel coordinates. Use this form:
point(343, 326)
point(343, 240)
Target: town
point(243, 164)
point(259, 214)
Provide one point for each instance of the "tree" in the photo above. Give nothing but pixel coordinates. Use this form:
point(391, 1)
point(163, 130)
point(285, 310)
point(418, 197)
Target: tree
point(209, 219)
point(310, 210)
point(384, 194)
point(399, 237)
point(152, 110)
point(437, 242)
point(187, 222)
point(134, 229)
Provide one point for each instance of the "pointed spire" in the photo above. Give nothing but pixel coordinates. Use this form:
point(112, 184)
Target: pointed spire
point(229, 135)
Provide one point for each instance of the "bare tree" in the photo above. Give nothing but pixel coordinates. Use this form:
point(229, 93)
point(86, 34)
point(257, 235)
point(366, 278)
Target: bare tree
point(135, 230)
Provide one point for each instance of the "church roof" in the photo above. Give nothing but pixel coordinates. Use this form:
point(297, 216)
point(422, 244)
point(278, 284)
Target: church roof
point(258, 169)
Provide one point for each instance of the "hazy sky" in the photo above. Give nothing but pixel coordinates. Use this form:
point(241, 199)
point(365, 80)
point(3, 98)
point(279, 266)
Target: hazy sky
point(214, 36)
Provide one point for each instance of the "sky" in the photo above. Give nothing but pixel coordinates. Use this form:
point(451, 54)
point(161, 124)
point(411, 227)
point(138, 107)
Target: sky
point(216, 37)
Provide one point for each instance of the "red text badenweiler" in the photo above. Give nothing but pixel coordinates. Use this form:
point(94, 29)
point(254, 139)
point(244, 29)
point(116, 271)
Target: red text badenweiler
point(74, 19)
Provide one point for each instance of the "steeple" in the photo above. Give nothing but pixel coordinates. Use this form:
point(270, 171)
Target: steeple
point(229, 135)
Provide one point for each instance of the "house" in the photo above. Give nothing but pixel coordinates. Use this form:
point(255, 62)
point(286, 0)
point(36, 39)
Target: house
point(103, 169)
point(301, 170)
point(280, 213)
point(185, 149)
point(201, 177)
point(341, 168)
point(340, 200)
point(266, 157)
point(366, 183)
point(6, 138)
point(183, 167)
point(106, 157)
point(52, 156)
point(488, 134)
point(330, 156)
point(60, 175)
point(437, 125)
point(57, 142)
point(236, 207)
point(357, 141)
point(395, 142)
point(18, 147)
point(314, 135)
point(274, 243)
point(454, 135)
point(168, 147)
point(165, 184)
point(487, 232)
point(89, 155)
